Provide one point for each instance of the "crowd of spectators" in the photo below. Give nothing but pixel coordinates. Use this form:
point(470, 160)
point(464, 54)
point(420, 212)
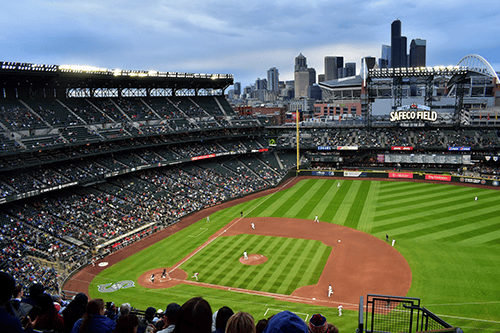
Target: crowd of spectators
point(48, 123)
point(81, 315)
point(387, 137)
point(64, 225)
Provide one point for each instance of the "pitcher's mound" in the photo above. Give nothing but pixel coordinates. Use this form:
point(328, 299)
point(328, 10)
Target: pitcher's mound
point(253, 259)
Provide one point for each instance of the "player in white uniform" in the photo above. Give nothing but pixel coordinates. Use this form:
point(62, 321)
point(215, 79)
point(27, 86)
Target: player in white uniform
point(245, 255)
point(330, 290)
point(253, 226)
point(316, 219)
point(195, 276)
point(208, 219)
point(340, 307)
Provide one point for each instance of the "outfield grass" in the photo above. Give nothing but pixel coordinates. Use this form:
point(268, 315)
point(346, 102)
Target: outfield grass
point(451, 242)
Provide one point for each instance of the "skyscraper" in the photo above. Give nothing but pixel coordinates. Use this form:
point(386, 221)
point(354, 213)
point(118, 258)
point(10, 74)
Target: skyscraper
point(385, 59)
point(332, 65)
point(304, 77)
point(273, 79)
point(399, 56)
point(417, 53)
point(349, 69)
point(300, 62)
point(237, 88)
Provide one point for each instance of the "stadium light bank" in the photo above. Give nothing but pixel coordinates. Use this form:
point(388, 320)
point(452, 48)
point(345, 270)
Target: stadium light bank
point(82, 69)
point(417, 71)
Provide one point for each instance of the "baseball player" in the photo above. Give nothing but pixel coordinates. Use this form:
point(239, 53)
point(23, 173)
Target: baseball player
point(93, 262)
point(475, 198)
point(245, 255)
point(338, 184)
point(241, 214)
point(253, 226)
point(208, 219)
point(316, 219)
point(340, 307)
point(330, 290)
point(152, 278)
point(195, 276)
point(393, 241)
point(164, 273)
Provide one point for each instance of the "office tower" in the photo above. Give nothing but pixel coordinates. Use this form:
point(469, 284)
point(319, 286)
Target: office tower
point(303, 76)
point(321, 78)
point(349, 69)
point(398, 46)
point(385, 59)
point(300, 62)
point(369, 62)
point(273, 79)
point(332, 65)
point(312, 75)
point(260, 84)
point(417, 52)
point(237, 88)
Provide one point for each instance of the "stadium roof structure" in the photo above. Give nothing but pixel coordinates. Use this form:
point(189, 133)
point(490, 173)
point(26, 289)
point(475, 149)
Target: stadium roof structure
point(35, 76)
point(347, 82)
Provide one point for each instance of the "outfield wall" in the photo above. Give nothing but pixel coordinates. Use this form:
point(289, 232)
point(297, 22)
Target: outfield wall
point(402, 175)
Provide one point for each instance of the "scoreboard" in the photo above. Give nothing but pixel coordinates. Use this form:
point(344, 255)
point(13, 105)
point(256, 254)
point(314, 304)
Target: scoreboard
point(426, 158)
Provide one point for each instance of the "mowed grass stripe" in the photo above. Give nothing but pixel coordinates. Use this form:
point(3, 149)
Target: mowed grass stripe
point(429, 192)
point(388, 188)
point(296, 201)
point(283, 259)
point(433, 201)
point(300, 267)
point(478, 235)
point(366, 218)
point(251, 270)
point(334, 204)
point(466, 226)
point(220, 251)
point(292, 255)
point(278, 200)
point(266, 269)
point(263, 204)
point(352, 219)
point(426, 195)
point(311, 205)
point(430, 223)
point(219, 268)
point(349, 200)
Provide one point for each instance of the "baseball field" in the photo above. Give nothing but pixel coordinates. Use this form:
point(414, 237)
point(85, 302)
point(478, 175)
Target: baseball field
point(446, 252)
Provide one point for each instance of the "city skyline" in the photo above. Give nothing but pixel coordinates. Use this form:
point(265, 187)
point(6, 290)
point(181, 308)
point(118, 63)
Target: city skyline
point(243, 39)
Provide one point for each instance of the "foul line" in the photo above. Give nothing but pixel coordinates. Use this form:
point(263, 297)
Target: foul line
point(205, 230)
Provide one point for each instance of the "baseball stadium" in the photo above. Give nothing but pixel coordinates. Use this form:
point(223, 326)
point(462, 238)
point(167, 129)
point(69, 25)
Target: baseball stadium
point(148, 188)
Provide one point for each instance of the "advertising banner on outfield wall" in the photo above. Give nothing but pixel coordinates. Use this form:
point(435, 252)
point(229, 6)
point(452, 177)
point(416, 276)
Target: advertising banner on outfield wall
point(323, 173)
point(354, 174)
point(443, 178)
point(400, 175)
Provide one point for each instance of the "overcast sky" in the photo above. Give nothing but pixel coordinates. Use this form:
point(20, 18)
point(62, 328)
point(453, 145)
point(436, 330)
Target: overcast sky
point(244, 38)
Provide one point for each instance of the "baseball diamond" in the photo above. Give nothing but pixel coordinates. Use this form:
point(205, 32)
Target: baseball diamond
point(440, 230)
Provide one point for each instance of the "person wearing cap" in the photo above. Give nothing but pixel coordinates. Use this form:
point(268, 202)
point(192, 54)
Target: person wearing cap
point(170, 318)
point(318, 324)
point(147, 320)
point(286, 322)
